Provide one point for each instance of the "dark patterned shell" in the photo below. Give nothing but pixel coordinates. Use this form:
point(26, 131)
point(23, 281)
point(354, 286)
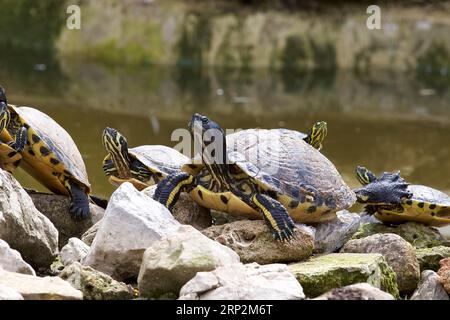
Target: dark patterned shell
point(429, 195)
point(58, 141)
point(281, 160)
point(161, 158)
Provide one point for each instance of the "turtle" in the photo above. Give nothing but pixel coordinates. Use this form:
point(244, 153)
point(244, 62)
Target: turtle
point(36, 142)
point(270, 172)
point(143, 166)
point(392, 200)
point(147, 165)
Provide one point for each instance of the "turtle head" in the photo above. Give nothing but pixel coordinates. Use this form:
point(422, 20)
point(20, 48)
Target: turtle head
point(389, 189)
point(212, 139)
point(4, 112)
point(117, 146)
point(317, 134)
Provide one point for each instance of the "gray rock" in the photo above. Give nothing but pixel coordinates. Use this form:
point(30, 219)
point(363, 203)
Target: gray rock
point(332, 235)
point(399, 254)
point(94, 284)
point(253, 242)
point(11, 260)
point(430, 287)
point(444, 273)
point(172, 261)
point(323, 273)
point(23, 227)
point(37, 288)
point(74, 251)
point(6, 293)
point(89, 235)
point(244, 282)
point(429, 257)
point(132, 223)
point(56, 208)
point(187, 211)
point(358, 291)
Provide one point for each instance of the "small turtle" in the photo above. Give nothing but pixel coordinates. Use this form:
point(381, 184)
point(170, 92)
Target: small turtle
point(392, 200)
point(46, 151)
point(270, 172)
point(143, 166)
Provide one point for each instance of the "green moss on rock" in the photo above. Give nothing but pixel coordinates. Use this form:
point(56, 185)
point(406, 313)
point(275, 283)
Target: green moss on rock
point(429, 257)
point(323, 273)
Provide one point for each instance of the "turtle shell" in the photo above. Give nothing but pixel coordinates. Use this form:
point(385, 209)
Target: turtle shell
point(57, 154)
point(160, 158)
point(426, 205)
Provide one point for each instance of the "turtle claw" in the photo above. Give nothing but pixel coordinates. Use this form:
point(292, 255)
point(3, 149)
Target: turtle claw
point(79, 212)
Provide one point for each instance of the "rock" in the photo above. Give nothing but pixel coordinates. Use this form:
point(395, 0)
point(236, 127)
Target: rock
point(323, 273)
point(430, 288)
point(172, 261)
point(37, 288)
point(89, 235)
point(6, 293)
point(56, 208)
point(429, 257)
point(132, 223)
point(187, 211)
point(23, 227)
point(244, 282)
point(419, 235)
point(444, 274)
point(253, 242)
point(358, 291)
point(11, 260)
point(94, 284)
point(74, 251)
point(399, 254)
point(332, 235)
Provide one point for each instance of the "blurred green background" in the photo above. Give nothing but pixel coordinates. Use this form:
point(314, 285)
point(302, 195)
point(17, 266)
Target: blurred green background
point(145, 66)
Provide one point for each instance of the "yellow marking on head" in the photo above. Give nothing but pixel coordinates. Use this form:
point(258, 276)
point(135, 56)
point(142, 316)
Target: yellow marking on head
point(267, 214)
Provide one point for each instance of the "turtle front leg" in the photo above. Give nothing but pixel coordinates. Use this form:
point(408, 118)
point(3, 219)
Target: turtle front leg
point(168, 190)
point(79, 206)
point(20, 140)
point(275, 216)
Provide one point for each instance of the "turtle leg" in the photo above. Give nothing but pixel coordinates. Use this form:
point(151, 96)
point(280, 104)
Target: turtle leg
point(275, 216)
point(9, 158)
point(168, 190)
point(20, 140)
point(79, 207)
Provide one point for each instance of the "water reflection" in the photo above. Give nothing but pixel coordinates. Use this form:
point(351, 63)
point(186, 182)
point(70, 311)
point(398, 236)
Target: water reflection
point(380, 120)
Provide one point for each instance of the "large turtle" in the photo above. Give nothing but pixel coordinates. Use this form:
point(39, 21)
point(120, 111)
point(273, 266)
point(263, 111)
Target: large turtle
point(143, 166)
point(46, 151)
point(390, 199)
point(270, 172)
point(146, 165)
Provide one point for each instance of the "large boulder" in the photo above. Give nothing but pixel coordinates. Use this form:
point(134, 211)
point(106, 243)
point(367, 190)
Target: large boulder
point(23, 227)
point(6, 293)
point(11, 260)
point(37, 288)
point(132, 223)
point(323, 273)
point(74, 251)
point(253, 242)
point(399, 254)
point(172, 261)
point(56, 208)
point(332, 235)
point(244, 282)
point(94, 284)
point(418, 234)
point(187, 211)
point(429, 257)
point(358, 291)
point(444, 274)
point(430, 287)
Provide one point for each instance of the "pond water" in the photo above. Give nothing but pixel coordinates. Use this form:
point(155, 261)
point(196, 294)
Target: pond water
point(381, 120)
